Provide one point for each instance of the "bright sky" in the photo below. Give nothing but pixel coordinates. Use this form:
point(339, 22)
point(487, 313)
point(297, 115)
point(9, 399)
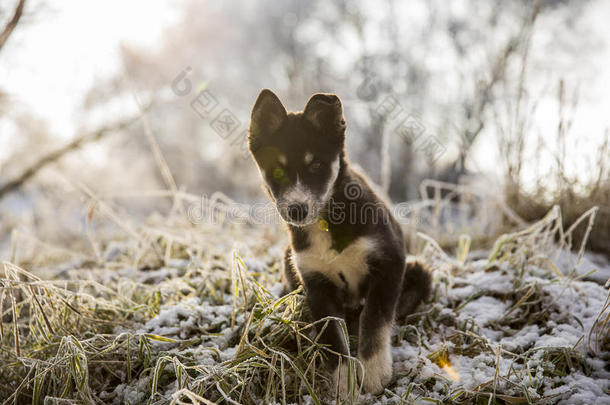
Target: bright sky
point(63, 47)
point(592, 78)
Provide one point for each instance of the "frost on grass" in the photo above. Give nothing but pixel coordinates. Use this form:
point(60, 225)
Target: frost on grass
point(190, 314)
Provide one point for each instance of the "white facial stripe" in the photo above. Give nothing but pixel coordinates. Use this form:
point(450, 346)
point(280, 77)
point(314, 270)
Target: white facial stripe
point(308, 158)
point(282, 159)
point(298, 193)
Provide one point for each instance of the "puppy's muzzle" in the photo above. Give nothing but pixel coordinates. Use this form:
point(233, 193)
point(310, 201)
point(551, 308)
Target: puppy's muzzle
point(297, 212)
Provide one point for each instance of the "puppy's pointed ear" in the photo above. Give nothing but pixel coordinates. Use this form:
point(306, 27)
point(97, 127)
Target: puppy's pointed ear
point(325, 112)
point(267, 115)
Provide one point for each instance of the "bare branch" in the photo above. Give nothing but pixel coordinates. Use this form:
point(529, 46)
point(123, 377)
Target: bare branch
point(8, 30)
point(53, 156)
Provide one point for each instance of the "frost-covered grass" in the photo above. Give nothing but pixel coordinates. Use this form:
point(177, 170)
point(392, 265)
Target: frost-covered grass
point(176, 313)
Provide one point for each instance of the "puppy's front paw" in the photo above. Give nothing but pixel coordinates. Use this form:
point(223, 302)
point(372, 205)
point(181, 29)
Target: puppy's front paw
point(344, 384)
point(377, 371)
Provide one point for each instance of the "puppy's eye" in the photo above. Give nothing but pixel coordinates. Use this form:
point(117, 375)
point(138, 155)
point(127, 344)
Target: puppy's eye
point(314, 167)
point(278, 173)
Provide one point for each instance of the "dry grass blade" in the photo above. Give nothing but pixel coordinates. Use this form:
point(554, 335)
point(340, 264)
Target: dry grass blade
point(202, 325)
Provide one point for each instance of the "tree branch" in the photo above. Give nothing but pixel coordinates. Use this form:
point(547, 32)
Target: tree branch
point(53, 156)
point(8, 30)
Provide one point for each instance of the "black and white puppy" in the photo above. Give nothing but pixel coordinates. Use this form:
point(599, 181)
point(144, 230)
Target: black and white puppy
point(346, 247)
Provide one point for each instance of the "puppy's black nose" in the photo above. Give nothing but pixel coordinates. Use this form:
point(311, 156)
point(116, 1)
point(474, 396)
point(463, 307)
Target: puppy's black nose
point(297, 212)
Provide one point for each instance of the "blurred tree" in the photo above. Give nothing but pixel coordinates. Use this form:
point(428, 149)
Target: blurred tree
point(442, 62)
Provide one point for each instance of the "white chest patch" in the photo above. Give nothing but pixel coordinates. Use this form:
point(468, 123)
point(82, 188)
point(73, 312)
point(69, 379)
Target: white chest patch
point(348, 266)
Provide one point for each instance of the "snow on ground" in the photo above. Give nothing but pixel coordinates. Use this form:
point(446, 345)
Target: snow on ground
point(465, 337)
point(511, 327)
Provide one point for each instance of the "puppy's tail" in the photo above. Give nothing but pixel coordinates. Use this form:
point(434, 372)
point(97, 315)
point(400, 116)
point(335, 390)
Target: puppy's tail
point(416, 287)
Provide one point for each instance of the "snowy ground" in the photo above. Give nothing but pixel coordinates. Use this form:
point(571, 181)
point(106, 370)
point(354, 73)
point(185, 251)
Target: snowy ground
point(204, 322)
